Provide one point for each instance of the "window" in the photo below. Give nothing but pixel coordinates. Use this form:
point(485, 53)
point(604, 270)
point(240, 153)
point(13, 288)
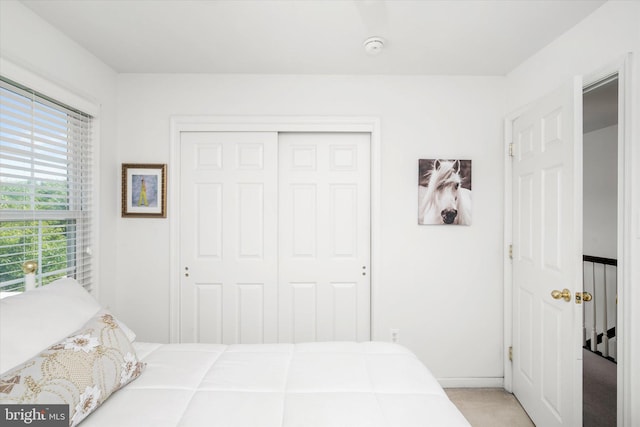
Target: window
point(45, 188)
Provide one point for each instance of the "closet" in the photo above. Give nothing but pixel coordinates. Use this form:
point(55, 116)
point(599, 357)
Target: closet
point(274, 236)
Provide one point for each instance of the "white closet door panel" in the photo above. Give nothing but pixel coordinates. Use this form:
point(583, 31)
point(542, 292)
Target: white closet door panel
point(324, 244)
point(228, 212)
point(345, 319)
point(303, 308)
point(304, 219)
point(208, 209)
point(208, 314)
point(250, 312)
point(250, 220)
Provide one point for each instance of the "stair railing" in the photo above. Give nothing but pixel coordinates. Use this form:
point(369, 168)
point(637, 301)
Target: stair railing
point(602, 271)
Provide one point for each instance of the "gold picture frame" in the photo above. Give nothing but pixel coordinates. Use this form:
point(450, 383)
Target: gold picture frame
point(144, 190)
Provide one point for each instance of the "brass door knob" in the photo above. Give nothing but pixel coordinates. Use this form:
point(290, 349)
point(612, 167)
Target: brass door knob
point(586, 297)
point(565, 294)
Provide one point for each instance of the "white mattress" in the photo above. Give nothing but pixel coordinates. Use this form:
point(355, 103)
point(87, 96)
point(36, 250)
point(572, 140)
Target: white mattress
point(316, 384)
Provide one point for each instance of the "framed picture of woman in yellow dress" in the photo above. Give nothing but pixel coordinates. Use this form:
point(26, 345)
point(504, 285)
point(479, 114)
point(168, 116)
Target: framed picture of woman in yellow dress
point(144, 190)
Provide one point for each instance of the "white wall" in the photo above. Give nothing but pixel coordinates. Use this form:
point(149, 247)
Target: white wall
point(34, 53)
point(604, 37)
point(434, 283)
point(600, 189)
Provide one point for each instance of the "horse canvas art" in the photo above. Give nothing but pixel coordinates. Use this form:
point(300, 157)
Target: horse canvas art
point(444, 192)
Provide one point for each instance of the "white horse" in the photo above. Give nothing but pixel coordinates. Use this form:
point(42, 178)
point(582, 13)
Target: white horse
point(443, 200)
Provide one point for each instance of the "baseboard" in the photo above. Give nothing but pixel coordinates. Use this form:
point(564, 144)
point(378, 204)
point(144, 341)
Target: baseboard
point(497, 382)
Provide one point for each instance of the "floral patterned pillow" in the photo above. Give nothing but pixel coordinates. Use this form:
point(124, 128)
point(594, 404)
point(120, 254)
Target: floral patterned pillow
point(82, 370)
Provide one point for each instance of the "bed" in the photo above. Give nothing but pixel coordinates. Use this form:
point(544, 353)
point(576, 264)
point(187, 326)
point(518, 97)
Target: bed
point(57, 345)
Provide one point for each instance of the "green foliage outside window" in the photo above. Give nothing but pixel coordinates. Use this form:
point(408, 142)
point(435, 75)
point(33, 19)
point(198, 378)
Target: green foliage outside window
point(20, 240)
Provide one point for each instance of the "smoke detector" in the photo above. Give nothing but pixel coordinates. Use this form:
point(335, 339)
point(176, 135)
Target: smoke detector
point(373, 45)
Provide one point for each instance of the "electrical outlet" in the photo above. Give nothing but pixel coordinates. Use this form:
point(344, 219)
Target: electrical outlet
point(395, 335)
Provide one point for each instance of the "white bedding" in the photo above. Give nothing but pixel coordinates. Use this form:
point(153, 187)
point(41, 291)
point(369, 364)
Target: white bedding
point(268, 385)
point(316, 384)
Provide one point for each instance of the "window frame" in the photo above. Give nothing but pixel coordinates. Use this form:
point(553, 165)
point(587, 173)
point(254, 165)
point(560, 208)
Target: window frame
point(62, 94)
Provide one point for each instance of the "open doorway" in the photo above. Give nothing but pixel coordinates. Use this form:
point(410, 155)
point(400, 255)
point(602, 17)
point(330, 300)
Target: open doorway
point(600, 243)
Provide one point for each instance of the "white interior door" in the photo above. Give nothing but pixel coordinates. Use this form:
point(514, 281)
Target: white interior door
point(324, 249)
point(228, 237)
point(547, 236)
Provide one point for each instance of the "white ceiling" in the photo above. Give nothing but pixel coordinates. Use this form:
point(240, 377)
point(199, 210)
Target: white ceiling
point(455, 37)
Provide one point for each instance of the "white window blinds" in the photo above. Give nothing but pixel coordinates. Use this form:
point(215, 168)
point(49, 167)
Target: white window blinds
point(45, 188)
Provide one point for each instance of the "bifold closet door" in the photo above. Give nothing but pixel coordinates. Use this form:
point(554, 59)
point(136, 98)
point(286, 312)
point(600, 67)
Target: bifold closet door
point(228, 232)
point(324, 236)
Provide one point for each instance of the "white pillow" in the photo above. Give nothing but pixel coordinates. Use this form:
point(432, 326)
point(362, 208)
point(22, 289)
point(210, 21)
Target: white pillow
point(34, 320)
